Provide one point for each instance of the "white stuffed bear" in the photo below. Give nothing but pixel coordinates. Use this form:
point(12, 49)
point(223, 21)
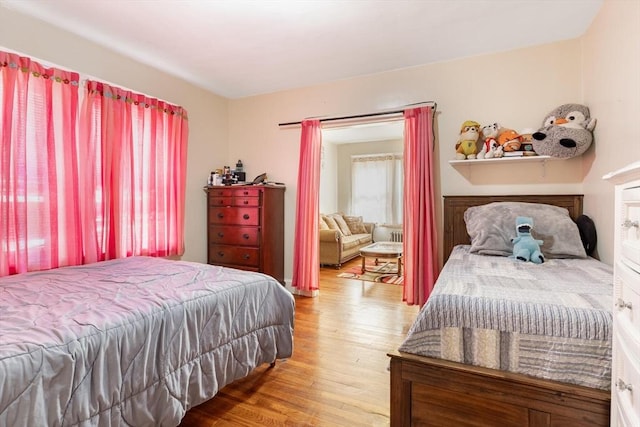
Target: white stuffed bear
point(490, 146)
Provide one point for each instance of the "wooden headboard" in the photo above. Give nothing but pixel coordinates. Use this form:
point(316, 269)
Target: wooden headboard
point(455, 230)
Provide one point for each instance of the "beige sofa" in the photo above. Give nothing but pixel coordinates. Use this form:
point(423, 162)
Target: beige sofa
point(341, 237)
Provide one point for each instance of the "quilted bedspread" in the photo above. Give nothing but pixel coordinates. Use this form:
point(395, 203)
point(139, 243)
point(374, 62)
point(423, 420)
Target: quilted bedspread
point(134, 341)
point(551, 320)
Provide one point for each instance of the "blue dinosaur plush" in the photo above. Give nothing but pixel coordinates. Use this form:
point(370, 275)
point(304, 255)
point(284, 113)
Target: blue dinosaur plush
point(525, 247)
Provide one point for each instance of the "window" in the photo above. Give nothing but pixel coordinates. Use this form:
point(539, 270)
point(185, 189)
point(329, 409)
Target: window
point(139, 144)
point(39, 225)
point(81, 186)
point(376, 187)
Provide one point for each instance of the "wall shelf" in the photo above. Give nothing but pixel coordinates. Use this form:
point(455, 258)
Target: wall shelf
point(465, 166)
point(541, 159)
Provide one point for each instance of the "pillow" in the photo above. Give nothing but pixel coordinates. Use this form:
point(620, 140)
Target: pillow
point(355, 223)
point(492, 226)
point(322, 225)
point(341, 224)
point(331, 223)
point(588, 234)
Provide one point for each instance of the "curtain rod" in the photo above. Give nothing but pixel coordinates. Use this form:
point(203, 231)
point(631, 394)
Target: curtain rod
point(362, 116)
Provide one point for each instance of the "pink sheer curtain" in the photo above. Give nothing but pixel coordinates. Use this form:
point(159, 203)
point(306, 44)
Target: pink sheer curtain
point(420, 239)
point(39, 214)
point(134, 174)
point(306, 258)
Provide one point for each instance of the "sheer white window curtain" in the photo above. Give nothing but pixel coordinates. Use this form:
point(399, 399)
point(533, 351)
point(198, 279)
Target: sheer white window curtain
point(377, 187)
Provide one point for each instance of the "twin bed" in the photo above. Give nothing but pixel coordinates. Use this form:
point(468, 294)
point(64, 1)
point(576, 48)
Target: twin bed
point(502, 342)
point(133, 341)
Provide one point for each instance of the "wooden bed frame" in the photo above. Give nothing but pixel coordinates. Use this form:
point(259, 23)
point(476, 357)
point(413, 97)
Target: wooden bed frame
point(436, 392)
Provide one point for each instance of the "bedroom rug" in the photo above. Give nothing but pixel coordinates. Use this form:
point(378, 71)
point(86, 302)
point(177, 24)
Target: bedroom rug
point(385, 273)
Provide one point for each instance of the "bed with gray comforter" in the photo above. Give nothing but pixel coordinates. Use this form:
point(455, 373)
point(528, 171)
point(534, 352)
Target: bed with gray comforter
point(134, 341)
point(550, 320)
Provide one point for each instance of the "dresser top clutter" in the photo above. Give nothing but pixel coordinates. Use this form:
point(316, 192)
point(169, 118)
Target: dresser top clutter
point(245, 227)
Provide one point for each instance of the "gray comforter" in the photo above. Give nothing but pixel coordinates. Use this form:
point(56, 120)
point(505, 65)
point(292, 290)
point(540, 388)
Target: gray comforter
point(135, 341)
point(551, 320)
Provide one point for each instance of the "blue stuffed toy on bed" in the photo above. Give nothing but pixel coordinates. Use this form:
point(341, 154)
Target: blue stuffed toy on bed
point(525, 247)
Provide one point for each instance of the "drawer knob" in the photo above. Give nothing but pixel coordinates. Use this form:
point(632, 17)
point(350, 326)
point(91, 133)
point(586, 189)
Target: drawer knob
point(245, 236)
point(246, 216)
point(621, 304)
point(246, 256)
point(220, 234)
point(246, 202)
point(221, 254)
point(220, 215)
point(622, 386)
point(629, 224)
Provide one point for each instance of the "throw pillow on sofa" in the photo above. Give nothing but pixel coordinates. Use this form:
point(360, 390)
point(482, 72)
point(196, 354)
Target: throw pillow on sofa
point(355, 223)
point(342, 224)
point(322, 224)
point(331, 223)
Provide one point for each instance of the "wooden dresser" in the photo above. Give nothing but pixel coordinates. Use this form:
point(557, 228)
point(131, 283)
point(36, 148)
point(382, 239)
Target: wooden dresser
point(625, 375)
point(245, 228)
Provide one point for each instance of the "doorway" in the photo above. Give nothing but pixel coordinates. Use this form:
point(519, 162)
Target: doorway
point(364, 149)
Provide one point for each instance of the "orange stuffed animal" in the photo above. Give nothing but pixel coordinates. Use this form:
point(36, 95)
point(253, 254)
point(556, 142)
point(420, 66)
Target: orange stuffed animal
point(509, 139)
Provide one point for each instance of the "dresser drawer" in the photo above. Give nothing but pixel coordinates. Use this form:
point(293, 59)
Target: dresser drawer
point(234, 201)
point(631, 252)
point(234, 192)
point(234, 255)
point(626, 383)
point(624, 416)
point(631, 216)
point(629, 280)
point(229, 215)
point(229, 235)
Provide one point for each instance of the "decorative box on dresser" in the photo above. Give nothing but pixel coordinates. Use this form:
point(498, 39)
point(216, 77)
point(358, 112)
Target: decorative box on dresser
point(625, 375)
point(245, 228)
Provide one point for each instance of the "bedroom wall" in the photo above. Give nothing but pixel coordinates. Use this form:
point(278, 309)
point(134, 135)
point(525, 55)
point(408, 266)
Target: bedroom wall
point(611, 79)
point(208, 144)
point(517, 88)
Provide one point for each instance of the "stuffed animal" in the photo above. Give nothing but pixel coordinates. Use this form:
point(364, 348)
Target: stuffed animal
point(467, 145)
point(526, 139)
point(566, 132)
point(489, 145)
point(509, 139)
point(525, 247)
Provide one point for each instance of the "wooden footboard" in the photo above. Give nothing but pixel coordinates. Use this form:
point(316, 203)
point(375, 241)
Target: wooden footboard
point(434, 392)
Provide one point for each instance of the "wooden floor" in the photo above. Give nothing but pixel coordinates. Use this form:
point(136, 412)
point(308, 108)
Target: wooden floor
point(338, 373)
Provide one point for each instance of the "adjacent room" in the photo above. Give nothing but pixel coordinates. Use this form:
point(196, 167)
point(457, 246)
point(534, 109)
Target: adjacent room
point(320, 213)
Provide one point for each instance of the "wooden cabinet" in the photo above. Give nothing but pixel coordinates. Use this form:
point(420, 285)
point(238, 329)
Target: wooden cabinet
point(245, 228)
point(625, 375)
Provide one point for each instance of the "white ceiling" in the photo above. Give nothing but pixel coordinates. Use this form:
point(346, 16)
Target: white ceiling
point(239, 48)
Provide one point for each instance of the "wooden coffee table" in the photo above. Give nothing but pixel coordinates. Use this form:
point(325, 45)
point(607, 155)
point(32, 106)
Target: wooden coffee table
point(384, 250)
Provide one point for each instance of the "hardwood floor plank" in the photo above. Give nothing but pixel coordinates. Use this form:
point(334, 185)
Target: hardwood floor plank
point(338, 374)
